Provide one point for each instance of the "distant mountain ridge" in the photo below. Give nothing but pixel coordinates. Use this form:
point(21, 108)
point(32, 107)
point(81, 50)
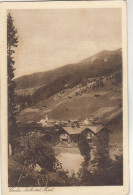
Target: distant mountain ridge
point(102, 63)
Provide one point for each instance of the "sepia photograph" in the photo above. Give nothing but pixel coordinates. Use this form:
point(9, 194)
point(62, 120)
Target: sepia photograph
point(64, 97)
point(65, 79)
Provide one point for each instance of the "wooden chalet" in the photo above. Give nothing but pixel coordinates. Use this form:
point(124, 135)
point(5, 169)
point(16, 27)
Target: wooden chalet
point(97, 134)
point(73, 133)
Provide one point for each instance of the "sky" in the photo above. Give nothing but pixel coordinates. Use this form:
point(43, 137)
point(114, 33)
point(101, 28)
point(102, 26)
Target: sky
point(50, 38)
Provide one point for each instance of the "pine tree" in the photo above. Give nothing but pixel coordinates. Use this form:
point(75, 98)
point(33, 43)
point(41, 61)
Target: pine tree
point(12, 42)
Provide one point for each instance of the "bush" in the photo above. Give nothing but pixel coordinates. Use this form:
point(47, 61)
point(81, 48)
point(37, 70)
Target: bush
point(83, 146)
point(39, 153)
point(111, 175)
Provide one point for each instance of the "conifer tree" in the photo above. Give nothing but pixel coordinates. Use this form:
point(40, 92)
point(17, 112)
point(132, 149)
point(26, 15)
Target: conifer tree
point(12, 42)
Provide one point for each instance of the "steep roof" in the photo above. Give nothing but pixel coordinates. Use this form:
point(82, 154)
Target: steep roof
point(74, 130)
point(96, 128)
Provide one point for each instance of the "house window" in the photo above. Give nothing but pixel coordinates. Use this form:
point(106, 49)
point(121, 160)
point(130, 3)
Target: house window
point(89, 136)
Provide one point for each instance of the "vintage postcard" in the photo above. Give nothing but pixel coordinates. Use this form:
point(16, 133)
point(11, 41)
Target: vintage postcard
point(64, 98)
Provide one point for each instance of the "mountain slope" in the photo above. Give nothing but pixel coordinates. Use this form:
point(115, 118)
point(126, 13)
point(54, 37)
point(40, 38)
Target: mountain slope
point(99, 64)
point(78, 102)
point(72, 75)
